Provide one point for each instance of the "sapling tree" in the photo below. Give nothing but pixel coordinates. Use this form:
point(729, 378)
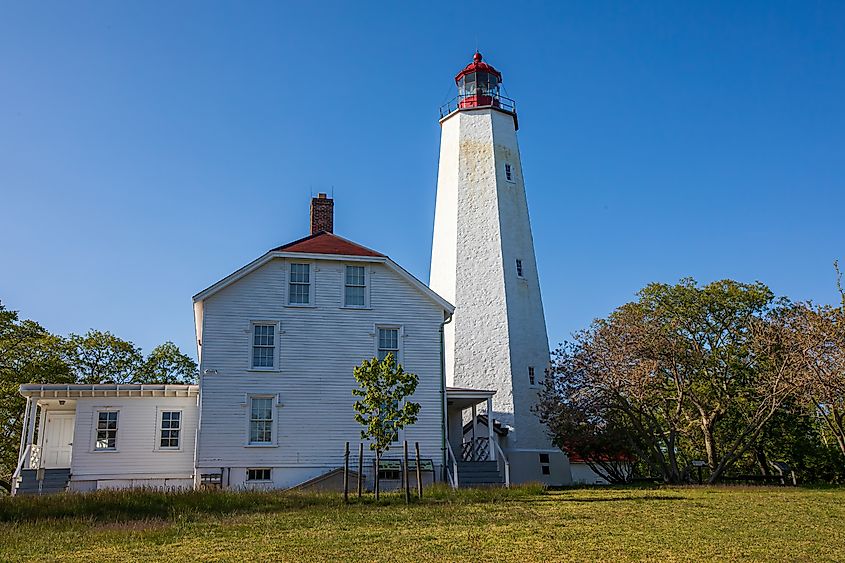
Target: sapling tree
point(381, 407)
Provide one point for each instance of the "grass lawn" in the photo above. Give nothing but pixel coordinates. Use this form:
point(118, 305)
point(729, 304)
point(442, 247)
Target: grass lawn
point(523, 524)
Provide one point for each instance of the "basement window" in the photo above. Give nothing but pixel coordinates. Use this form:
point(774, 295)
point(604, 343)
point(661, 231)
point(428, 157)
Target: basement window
point(258, 474)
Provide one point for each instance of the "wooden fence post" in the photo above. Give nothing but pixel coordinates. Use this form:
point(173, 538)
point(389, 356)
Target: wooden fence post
point(360, 468)
point(419, 471)
point(405, 474)
point(346, 474)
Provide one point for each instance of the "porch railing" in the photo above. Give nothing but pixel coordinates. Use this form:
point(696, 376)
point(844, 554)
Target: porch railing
point(501, 456)
point(451, 469)
point(476, 450)
point(31, 459)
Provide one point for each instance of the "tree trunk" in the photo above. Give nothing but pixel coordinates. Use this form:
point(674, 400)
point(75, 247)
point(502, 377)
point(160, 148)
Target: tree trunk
point(762, 461)
point(840, 429)
point(709, 442)
point(376, 480)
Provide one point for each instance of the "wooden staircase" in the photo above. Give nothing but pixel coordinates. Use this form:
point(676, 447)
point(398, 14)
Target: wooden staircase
point(479, 474)
point(53, 481)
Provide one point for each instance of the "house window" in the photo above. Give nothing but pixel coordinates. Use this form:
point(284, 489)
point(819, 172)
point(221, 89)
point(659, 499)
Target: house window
point(356, 286)
point(519, 268)
point(544, 464)
point(300, 284)
point(531, 375)
point(171, 425)
point(258, 474)
point(106, 430)
point(508, 172)
point(388, 343)
point(390, 475)
point(261, 420)
point(263, 345)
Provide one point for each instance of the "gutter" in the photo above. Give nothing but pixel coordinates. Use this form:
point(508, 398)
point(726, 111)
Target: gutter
point(447, 320)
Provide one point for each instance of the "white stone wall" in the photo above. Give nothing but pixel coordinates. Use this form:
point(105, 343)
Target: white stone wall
point(481, 229)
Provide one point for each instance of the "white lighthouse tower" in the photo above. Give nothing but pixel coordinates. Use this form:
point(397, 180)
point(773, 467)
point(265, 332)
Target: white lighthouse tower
point(483, 262)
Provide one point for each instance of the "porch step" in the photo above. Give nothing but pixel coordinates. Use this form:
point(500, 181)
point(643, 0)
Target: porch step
point(479, 473)
point(55, 481)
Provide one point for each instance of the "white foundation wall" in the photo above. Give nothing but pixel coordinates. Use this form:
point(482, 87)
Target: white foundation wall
point(317, 350)
point(138, 459)
point(481, 229)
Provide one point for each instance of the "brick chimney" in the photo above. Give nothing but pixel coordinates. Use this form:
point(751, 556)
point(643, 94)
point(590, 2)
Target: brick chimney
point(322, 214)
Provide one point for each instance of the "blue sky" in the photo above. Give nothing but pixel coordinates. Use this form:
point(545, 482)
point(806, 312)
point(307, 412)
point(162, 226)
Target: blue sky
point(147, 149)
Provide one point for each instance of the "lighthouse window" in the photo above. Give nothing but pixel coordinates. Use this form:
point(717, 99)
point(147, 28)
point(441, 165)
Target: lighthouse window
point(519, 268)
point(531, 375)
point(508, 172)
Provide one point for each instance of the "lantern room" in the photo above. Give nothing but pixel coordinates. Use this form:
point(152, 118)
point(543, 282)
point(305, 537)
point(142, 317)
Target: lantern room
point(478, 84)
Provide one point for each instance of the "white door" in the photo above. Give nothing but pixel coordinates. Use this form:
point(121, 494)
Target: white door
point(58, 440)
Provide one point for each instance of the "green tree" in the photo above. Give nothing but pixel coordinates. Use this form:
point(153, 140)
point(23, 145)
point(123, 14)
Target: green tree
point(28, 354)
point(167, 364)
point(101, 357)
point(381, 408)
point(688, 369)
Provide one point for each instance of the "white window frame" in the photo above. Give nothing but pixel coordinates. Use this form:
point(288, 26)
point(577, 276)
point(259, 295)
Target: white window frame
point(97, 411)
point(400, 358)
point(400, 337)
point(269, 472)
point(343, 286)
point(159, 419)
point(274, 424)
point(311, 282)
point(510, 173)
point(277, 356)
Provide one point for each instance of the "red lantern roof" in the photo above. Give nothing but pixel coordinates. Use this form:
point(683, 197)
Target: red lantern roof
point(478, 65)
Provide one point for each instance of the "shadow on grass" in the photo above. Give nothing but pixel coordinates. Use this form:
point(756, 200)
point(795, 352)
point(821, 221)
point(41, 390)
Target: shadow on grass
point(148, 504)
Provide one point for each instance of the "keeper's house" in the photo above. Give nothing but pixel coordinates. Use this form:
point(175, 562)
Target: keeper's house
point(277, 342)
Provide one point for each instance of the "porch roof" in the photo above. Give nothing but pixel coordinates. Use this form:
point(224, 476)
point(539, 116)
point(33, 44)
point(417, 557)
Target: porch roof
point(73, 391)
point(463, 397)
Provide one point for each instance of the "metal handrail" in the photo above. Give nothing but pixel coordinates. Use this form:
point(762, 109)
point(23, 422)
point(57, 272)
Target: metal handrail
point(453, 477)
point(504, 458)
point(501, 102)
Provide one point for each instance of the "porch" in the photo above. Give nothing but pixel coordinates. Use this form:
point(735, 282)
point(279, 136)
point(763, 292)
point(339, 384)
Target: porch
point(473, 454)
point(46, 453)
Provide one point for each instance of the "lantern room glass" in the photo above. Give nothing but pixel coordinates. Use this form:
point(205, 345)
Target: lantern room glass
point(479, 84)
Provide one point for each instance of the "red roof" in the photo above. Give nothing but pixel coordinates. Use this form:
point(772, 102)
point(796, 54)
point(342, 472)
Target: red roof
point(576, 458)
point(477, 65)
point(327, 243)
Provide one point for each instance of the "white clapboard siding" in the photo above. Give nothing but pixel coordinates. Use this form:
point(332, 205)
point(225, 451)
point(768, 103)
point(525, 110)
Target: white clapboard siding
point(138, 455)
point(318, 349)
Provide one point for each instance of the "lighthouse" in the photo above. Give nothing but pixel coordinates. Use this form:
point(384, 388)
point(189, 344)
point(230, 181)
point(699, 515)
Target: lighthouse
point(483, 262)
